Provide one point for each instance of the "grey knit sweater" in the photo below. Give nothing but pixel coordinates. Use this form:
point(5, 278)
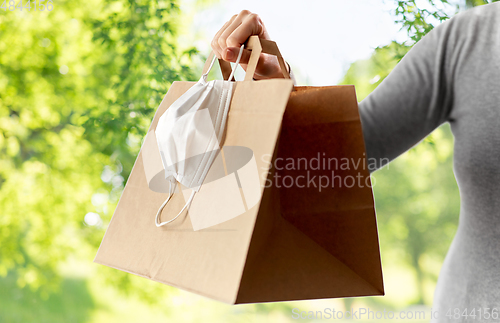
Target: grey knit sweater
point(452, 75)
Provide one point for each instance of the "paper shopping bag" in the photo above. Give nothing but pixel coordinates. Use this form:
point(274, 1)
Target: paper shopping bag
point(286, 211)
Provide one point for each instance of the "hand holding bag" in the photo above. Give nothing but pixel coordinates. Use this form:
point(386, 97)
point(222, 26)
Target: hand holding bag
point(264, 225)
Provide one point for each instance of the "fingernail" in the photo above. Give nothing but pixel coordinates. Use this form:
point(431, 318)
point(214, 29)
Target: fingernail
point(229, 54)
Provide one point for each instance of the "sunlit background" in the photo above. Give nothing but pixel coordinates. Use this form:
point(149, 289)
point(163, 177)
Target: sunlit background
point(78, 88)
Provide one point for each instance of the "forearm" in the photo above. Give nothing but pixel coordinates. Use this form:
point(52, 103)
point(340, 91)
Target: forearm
point(413, 100)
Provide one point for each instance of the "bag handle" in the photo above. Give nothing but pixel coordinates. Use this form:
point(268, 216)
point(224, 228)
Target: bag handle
point(225, 66)
point(258, 46)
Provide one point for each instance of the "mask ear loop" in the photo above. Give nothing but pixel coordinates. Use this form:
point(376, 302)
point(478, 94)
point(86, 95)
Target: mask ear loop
point(204, 76)
point(236, 63)
point(170, 193)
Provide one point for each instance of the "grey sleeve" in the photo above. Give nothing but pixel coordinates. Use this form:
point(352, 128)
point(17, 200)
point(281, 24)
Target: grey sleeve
point(412, 101)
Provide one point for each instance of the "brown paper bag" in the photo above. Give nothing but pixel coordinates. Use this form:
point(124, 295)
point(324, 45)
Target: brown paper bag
point(282, 233)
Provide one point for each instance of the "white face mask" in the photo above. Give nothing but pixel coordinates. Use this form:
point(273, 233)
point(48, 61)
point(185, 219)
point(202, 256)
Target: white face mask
point(189, 132)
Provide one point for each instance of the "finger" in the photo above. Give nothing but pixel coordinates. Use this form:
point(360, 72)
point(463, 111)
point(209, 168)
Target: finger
point(266, 65)
point(215, 44)
point(231, 54)
point(252, 25)
point(227, 32)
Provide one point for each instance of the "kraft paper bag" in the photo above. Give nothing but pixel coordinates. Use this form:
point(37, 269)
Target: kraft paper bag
point(265, 226)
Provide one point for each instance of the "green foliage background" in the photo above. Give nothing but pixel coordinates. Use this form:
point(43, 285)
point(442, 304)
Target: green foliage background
point(78, 88)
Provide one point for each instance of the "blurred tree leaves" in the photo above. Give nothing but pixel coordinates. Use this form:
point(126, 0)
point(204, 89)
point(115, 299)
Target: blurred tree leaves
point(78, 87)
point(475, 3)
point(418, 20)
point(418, 17)
point(139, 60)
